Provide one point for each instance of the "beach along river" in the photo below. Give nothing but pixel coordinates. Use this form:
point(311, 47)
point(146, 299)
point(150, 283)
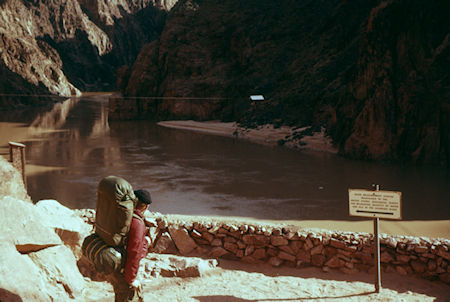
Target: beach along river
point(71, 147)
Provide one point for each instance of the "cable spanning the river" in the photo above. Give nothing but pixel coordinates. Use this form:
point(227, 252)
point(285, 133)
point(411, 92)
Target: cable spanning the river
point(171, 97)
point(33, 95)
point(118, 97)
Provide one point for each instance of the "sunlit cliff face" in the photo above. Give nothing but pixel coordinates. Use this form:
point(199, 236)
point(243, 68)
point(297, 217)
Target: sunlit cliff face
point(110, 10)
point(40, 40)
point(24, 28)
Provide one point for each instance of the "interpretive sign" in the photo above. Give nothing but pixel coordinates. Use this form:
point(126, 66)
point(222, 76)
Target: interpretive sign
point(375, 204)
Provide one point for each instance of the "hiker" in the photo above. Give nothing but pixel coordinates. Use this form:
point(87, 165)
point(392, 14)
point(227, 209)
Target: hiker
point(126, 286)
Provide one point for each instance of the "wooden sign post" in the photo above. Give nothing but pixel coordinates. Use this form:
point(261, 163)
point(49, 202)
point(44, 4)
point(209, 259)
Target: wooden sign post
point(17, 158)
point(375, 204)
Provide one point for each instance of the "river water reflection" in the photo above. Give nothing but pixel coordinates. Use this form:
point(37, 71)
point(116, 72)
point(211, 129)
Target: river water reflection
point(193, 173)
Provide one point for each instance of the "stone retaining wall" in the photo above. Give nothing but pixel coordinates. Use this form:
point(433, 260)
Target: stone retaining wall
point(347, 252)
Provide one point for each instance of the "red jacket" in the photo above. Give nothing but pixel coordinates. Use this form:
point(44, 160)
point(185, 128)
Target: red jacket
point(137, 247)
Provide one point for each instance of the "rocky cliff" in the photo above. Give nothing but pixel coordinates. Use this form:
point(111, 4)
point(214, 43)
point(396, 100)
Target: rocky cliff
point(67, 46)
point(397, 104)
point(296, 53)
point(12, 85)
point(375, 73)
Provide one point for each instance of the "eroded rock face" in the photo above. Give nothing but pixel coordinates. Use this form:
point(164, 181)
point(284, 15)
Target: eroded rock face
point(35, 60)
point(12, 84)
point(66, 46)
point(399, 107)
point(376, 77)
point(296, 53)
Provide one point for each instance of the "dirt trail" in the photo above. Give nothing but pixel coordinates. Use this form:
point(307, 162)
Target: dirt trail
point(241, 282)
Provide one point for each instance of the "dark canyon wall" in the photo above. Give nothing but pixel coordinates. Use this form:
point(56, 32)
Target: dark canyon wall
point(12, 85)
point(397, 105)
point(298, 54)
point(374, 73)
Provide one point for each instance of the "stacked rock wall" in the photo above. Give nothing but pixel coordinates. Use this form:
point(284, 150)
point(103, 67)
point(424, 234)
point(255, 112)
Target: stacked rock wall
point(347, 252)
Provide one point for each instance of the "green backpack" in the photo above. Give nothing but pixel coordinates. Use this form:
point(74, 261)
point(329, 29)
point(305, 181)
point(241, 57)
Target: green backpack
point(106, 259)
point(115, 206)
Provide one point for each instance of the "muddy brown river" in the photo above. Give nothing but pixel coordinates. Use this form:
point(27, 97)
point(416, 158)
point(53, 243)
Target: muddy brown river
point(71, 146)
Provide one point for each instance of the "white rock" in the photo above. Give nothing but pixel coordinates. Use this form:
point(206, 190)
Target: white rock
point(70, 227)
point(20, 277)
point(23, 225)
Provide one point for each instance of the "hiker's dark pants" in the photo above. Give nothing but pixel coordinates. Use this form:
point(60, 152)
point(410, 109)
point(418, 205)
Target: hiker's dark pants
point(123, 291)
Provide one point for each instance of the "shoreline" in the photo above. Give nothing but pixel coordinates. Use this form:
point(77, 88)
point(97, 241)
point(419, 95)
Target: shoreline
point(268, 135)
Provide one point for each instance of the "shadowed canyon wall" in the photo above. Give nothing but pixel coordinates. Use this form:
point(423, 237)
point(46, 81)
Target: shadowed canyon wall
point(397, 105)
point(374, 73)
point(295, 53)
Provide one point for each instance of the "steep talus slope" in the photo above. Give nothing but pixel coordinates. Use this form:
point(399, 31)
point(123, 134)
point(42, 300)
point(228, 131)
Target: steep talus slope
point(374, 73)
